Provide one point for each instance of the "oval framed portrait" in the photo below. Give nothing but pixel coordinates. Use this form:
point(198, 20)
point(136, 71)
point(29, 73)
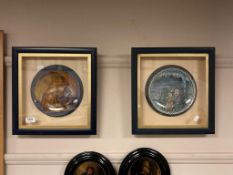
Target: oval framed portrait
point(56, 90)
point(89, 163)
point(144, 161)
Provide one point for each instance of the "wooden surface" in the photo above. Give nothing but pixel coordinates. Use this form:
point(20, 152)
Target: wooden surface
point(1, 108)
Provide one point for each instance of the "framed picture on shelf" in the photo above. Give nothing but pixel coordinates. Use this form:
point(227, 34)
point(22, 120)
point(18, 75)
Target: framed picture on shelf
point(173, 90)
point(89, 163)
point(144, 161)
point(54, 91)
point(2, 142)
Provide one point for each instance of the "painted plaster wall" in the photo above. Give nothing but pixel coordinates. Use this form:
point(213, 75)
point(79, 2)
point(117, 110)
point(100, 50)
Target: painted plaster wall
point(114, 27)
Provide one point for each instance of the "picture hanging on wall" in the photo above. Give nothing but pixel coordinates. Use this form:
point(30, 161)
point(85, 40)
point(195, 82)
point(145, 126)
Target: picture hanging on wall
point(144, 161)
point(54, 91)
point(89, 163)
point(173, 90)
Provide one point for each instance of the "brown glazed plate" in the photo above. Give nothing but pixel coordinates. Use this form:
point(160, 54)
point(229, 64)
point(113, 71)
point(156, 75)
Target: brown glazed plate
point(56, 90)
point(144, 161)
point(89, 163)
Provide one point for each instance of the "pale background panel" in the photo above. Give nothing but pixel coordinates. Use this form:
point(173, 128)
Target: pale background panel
point(114, 27)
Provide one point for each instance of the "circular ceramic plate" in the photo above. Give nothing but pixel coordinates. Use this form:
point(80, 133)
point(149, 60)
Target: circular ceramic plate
point(56, 90)
point(171, 90)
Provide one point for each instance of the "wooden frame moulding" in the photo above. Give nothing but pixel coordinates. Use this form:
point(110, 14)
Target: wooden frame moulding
point(1, 105)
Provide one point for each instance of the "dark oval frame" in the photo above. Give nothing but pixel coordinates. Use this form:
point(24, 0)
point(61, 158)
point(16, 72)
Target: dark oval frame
point(148, 84)
point(101, 160)
point(43, 72)
point(139, 153)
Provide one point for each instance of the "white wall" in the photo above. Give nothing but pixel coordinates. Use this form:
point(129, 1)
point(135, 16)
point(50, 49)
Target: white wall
point(114, 27)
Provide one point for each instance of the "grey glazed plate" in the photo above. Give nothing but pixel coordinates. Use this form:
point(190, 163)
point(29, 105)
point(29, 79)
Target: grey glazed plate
point(171, 90)
point(56, 90)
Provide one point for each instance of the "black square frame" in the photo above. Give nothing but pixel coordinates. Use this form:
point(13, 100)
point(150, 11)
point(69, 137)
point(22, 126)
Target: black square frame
point(135, 52)
point(15, 94)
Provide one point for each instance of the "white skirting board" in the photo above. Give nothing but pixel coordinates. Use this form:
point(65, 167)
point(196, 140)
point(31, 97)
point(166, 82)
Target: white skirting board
point(116, 158)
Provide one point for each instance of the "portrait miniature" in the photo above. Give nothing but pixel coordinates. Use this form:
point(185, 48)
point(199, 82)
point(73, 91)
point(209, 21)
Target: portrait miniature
point(145, 166)
point(89, 168)
point(144, 161)
point(89, 163)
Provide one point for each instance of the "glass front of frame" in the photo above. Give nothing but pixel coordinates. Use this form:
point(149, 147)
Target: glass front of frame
point(54, 91)
point(172, 91)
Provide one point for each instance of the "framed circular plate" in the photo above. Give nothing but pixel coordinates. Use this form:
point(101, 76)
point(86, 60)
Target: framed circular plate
point(56, 90)
point(89, 163)
point(144, 161)
point(171, 90)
